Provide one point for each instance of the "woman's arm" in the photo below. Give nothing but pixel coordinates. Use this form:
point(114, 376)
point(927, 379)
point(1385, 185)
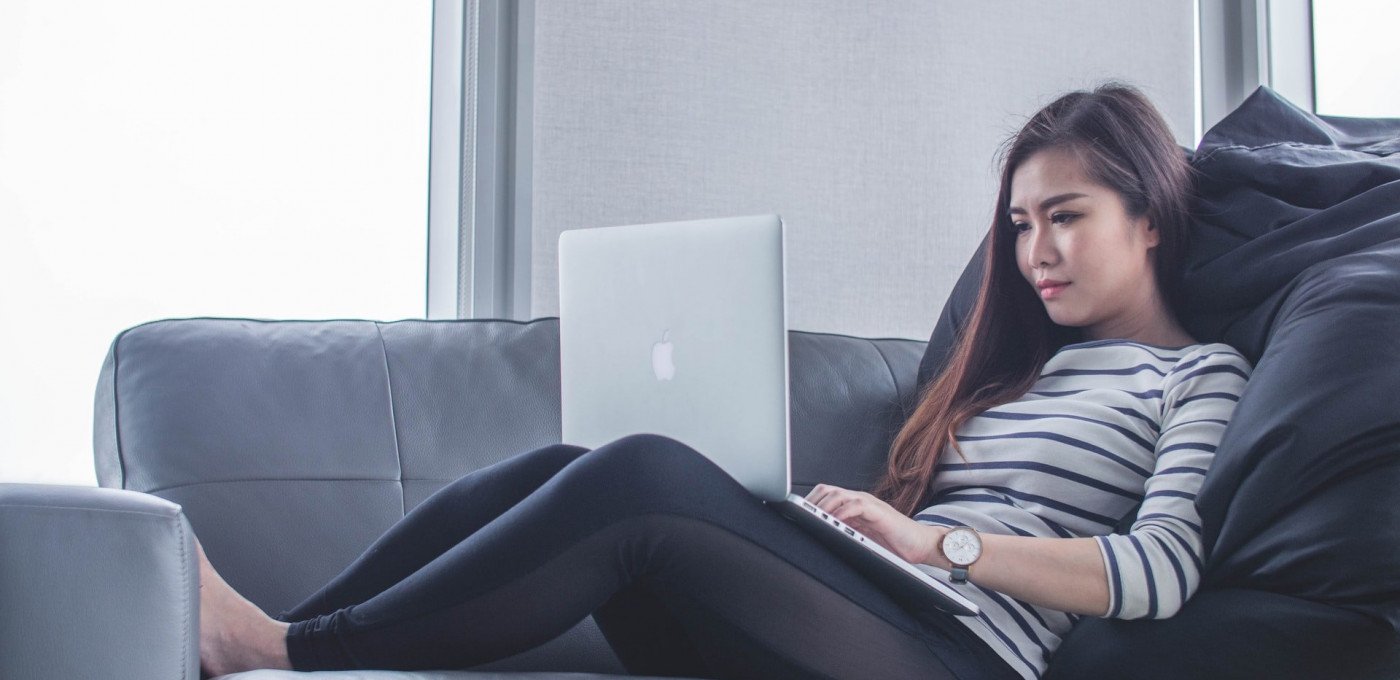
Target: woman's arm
point(1066, 574)
point(1149, 572)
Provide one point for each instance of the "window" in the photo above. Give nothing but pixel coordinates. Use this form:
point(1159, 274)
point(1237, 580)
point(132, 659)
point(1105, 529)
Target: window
point(166, 158)
point(1356, 63)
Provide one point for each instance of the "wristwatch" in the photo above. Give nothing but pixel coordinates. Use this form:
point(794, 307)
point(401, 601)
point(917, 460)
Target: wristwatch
point(961, 546)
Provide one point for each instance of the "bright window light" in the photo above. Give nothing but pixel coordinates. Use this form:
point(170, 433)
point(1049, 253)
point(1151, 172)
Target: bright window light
point(1356, 61)
point(175, 158)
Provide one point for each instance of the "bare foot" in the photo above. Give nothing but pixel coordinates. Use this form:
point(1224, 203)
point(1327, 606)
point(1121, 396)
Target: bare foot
point(234, 635)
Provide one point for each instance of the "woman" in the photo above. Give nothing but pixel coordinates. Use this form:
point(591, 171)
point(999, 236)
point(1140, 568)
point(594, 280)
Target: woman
point(1075, 395)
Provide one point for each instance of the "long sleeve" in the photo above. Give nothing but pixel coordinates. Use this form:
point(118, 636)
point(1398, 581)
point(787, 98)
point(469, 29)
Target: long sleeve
point(1109, 425)
point(1156, 566)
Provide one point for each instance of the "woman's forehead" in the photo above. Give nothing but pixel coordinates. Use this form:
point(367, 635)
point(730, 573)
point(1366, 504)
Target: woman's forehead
point(1049, 173)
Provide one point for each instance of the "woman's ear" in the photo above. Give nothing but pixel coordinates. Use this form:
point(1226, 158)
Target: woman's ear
point(1150, 233)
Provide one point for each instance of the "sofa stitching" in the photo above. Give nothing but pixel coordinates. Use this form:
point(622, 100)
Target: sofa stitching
point(184, 600)
point(518, 322)
point(116, 409)
point(342, 319)
point(853, 337)
point(277, 479)
point(895, 383)
point(1246, 147)
point(393, 419)
point(79, 508)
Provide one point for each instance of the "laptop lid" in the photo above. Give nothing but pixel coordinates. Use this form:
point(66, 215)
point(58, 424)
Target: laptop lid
point(680, 329)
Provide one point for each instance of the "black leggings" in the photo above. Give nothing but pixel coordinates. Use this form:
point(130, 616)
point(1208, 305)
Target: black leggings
point(684, 571)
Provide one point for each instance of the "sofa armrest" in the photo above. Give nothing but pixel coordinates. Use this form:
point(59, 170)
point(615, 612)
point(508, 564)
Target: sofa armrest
point(96, 583)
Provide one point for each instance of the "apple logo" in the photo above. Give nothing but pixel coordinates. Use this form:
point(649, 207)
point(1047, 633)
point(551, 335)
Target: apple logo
point(661, 363)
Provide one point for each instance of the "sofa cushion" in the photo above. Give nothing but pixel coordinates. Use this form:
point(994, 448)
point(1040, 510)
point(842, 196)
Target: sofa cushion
point(1228, 633)
point(1297, 264)
point(1294, 261)
point(425, 675)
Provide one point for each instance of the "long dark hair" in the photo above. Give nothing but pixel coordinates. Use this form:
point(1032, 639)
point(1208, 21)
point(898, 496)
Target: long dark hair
point(1124, 144)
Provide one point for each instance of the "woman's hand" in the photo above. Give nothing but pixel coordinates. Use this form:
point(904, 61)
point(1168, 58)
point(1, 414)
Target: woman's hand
point(900, 534)
point(1065, 574)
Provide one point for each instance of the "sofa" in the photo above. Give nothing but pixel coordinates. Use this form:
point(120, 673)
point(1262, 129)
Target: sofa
point(290, 445)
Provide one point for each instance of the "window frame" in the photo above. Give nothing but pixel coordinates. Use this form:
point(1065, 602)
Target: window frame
point(1248, 43)
point(479, 244)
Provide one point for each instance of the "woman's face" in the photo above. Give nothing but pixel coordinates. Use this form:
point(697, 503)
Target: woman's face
point(1069, 229)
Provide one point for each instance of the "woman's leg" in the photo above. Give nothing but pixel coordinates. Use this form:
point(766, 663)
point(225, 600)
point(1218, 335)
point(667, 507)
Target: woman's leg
point(441, 521)
point(637, 529)
point(740, 611)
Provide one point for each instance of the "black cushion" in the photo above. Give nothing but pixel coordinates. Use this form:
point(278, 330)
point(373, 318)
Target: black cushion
point(1295, 261)
point(1229, 633)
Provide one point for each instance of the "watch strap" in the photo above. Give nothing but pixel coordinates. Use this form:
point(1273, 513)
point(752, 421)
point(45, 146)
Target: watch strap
point(958, 574)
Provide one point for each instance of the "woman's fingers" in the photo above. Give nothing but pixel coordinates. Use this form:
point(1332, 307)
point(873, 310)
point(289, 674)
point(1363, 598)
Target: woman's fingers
point(819, 493)
point(860, 510)
point(842, 503)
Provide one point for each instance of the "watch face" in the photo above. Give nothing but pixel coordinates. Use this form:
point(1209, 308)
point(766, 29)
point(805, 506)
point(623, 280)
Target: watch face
point(961, 546)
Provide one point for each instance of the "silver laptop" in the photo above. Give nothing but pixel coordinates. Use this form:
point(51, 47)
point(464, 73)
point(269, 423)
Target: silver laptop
point(680, 329)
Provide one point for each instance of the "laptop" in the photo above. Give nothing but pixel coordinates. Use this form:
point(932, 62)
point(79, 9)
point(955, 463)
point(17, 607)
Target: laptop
point(680, 329)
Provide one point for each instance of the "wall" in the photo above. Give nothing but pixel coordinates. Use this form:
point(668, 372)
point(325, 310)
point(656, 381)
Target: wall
point(870, 127)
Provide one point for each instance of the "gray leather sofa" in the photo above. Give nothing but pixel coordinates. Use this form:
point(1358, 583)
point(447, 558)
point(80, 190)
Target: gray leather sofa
point(288, 446)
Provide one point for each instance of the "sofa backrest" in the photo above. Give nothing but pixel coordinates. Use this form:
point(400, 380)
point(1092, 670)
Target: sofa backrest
point(292, 445)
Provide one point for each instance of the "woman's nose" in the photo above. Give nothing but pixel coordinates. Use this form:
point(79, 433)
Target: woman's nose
point(1041, 250)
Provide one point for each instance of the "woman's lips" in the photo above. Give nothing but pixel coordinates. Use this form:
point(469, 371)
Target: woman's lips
point(1052, 292)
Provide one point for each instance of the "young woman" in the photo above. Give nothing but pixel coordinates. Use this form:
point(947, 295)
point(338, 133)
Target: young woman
point(1076, 398)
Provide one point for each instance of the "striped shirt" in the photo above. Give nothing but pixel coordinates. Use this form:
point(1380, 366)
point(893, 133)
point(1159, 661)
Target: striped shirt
point(1109, 424)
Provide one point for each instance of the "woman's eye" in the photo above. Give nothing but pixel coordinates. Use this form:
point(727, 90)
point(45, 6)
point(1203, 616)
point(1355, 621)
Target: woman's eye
point(1058, 218)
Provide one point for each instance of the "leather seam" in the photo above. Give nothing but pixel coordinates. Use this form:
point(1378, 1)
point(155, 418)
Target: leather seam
point(116, 409)
point(894, 383)
point(105, 511)
point(393, 419)
point(274, 479)
point(184, 599)
point(341, 319)
point(1288, 143)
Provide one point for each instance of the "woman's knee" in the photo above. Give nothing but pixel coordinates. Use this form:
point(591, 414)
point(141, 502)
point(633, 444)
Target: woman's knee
point(538, 464)
point(654, 474)
point(647, 458)
point(562, 454)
